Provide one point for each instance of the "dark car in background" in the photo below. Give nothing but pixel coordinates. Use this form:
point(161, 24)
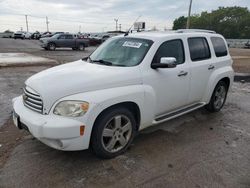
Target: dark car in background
point(36, 35)
point(64, 41)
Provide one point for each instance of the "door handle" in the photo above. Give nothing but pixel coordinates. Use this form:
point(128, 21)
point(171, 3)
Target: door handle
point(183, 73)
point(210, 67)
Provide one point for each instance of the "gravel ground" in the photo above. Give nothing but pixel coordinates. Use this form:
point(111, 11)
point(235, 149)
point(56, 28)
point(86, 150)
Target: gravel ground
point(196, 150)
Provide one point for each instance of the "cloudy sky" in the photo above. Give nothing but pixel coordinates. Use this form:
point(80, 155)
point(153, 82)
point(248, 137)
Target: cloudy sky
point(98, 15)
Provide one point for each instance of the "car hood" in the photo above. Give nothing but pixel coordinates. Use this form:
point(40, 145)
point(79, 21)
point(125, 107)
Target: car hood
point(78, 77)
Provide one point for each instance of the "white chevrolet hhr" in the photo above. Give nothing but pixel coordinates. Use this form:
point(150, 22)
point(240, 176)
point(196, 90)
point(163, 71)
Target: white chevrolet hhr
point(127, 84)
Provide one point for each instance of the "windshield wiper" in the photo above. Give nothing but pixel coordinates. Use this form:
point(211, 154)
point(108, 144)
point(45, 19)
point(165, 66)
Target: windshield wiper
point(101, 61)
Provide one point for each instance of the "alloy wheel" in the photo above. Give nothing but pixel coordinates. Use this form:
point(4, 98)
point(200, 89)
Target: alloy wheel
point(116, 133)
point(220, 96)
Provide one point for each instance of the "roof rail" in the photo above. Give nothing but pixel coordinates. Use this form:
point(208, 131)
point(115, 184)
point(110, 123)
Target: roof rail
point(194, 30)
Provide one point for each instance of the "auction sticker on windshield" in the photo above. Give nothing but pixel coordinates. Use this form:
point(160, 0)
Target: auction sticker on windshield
point(132, 44)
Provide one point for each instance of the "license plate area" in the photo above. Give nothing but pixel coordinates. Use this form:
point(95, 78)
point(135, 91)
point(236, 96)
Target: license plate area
point(15, 118)
point(18, 123)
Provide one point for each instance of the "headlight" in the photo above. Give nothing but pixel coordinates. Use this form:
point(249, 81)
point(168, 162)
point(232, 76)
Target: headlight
point(71, 108)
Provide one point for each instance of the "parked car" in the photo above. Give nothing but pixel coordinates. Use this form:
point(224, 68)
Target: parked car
point(19, 35)
point(64, 41)
point(36, 35)
point(27, 35)
point(7, 34)
point(247, 45)
point(127, 84)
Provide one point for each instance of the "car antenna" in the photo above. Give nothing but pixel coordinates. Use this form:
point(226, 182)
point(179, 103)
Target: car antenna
point(126, 34)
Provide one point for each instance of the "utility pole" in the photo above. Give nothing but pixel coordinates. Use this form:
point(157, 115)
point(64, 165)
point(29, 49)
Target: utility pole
point(189, 14)
point(116, 22)
point(79, 28)
point(120, 27)
point(47, 23)
point(27, 26)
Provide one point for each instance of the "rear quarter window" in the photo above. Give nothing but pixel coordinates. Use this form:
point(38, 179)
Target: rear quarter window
point(219, 46)
point(199, 48)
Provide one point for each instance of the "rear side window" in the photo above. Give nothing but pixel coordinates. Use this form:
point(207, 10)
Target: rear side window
point(199, 49)
point(172, 48)
point(219, 46)
point(69, 37)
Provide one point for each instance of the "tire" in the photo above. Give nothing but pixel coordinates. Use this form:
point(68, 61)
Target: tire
point(74, 49)
point(120, 126)
point(51, 46)
point(218, 98)
point(81, 47)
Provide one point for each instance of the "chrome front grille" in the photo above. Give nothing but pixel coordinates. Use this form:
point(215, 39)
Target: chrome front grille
point(32, 100)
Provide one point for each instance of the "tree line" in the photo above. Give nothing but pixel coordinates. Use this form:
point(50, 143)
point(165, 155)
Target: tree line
point(231, 22)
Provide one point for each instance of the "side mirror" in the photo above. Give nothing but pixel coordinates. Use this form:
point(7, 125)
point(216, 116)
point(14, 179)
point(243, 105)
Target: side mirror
point(165, 62)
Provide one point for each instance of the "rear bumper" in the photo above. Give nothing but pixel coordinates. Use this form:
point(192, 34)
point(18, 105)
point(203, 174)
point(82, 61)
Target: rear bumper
point(55, 131)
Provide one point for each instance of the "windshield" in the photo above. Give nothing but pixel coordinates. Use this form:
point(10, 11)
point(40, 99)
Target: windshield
point(56, 36)
point(121, 51)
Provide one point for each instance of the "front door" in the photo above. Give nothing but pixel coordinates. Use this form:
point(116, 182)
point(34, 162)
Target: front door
point(171, 85)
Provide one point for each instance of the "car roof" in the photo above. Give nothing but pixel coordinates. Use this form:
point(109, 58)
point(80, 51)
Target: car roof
point(155, 36)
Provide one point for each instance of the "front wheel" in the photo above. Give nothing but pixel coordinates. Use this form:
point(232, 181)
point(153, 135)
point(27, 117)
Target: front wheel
point(51, 46)
point(113, 132)
point(218, 98)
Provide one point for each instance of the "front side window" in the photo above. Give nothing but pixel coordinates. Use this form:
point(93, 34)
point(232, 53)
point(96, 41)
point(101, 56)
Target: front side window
point(199, 49)
point(219, 46)
point(123, 51)
point(172, 48)
point(62, 37)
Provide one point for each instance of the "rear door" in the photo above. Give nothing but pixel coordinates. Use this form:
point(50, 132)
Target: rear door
point(201, 67)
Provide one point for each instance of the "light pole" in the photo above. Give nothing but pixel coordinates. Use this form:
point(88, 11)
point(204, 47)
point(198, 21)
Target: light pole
point(27, 25)
point(189, 14)
point(116, 22)
point(47, 23)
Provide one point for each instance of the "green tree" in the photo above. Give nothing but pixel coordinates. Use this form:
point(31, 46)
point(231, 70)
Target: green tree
point(180, 23)
point(232, 22)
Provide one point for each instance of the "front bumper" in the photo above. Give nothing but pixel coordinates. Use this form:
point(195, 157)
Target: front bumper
point(55, 131)
point(43, 45)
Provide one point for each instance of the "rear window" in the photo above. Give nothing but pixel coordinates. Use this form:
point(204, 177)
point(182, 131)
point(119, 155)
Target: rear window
point(199, 49)
point(219, 46)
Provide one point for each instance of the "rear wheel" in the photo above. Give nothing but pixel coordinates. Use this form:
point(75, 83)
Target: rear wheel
point(218, 98)
point(113, 132)
point(81, 47)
